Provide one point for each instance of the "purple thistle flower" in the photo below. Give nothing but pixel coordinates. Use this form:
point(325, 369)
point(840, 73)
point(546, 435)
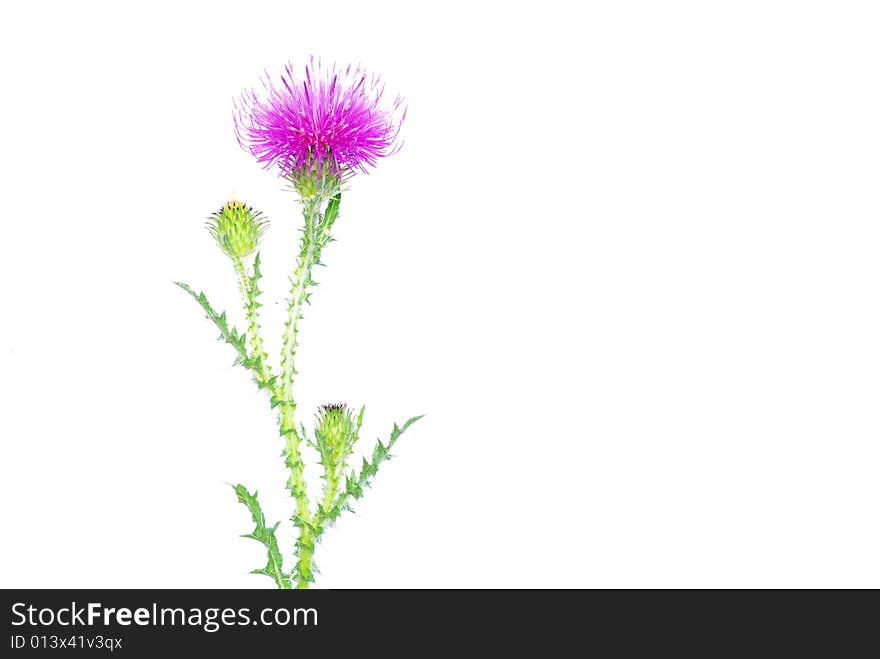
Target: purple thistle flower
point(330, 117)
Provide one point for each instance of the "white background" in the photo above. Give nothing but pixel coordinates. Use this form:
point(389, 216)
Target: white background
point(626, 262)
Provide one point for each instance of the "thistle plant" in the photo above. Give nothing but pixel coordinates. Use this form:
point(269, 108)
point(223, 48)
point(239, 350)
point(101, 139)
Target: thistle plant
point(318, 131)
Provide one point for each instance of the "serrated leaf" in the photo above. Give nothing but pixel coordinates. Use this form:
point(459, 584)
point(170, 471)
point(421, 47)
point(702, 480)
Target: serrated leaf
point(379, 452)
point(332, 211)
point(265, 536)
point(231, 336)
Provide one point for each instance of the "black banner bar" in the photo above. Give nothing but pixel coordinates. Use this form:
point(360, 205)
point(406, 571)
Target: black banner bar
point(132, 623)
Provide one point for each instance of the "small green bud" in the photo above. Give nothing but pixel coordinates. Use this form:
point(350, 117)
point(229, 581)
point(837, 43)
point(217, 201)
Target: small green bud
point(335, 432)
point(237, 228)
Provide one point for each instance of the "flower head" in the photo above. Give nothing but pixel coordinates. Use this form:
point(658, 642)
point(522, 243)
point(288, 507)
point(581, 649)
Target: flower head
point(237, 228)
point(328, 118)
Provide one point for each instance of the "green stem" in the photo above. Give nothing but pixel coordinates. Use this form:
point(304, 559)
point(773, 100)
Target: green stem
point(313, 240)
point(315, 236)
point(332, 476)
point(249, 295)
point(300, 283)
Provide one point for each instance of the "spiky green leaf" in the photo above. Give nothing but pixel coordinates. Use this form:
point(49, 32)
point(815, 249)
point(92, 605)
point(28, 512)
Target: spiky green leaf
point(265, 535)
point(332, 211)
point(233, 337)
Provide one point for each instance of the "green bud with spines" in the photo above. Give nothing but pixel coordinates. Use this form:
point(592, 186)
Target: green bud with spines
point(336, 429)
point(313, 182)
point(237, 228)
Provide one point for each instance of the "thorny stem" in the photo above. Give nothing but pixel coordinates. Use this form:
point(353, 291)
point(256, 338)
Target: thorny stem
point(251, 305)
point(332, 477)
point(314, 236)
